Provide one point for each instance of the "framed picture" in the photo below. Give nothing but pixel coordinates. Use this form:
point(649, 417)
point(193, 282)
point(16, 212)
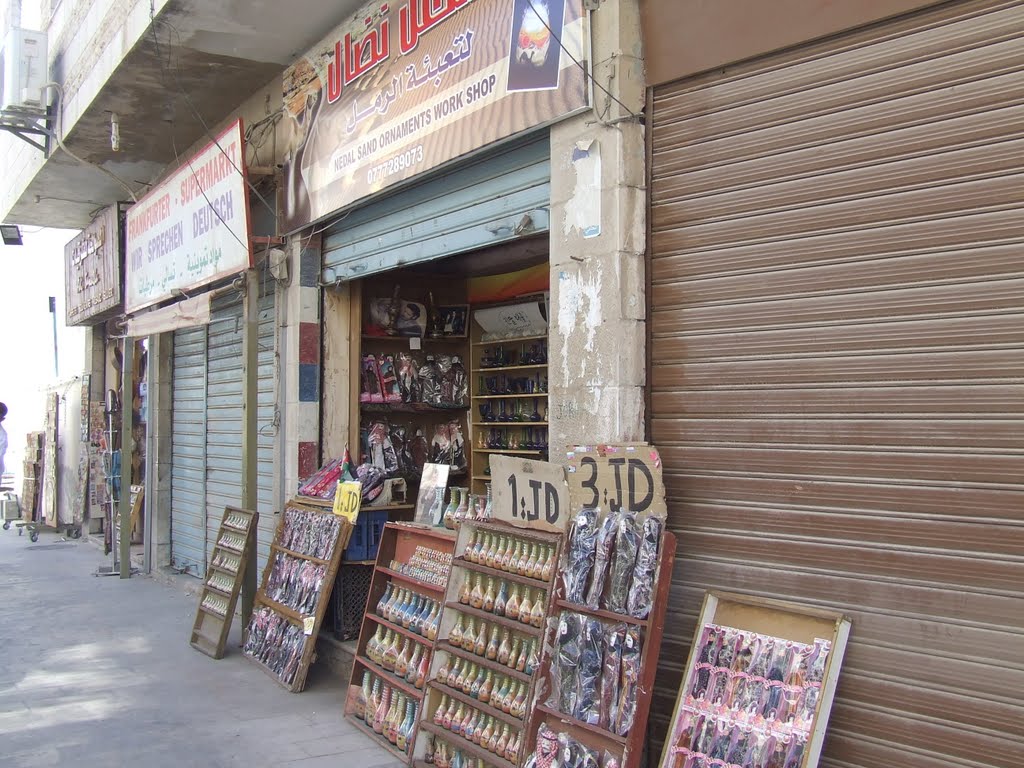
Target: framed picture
point(454, 320)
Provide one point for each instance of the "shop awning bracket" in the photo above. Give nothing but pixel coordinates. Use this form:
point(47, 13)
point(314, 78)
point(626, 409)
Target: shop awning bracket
point(24, 122)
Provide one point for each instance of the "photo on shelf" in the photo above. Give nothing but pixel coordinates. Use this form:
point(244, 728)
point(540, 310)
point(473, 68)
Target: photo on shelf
point(396, 317)
point(454, 320)
point(430, 500)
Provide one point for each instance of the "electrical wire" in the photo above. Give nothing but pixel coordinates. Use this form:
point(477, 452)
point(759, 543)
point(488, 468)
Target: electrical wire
point(60, 141)
point(580, 64)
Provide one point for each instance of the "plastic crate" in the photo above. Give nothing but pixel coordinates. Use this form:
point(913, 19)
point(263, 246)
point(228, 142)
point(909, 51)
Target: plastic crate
point(351, 587)
point(367, 535)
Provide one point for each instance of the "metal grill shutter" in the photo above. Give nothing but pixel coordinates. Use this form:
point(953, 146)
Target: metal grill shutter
point(837, 347)
point(224, 418)
point(188, 452)
point(479, 204)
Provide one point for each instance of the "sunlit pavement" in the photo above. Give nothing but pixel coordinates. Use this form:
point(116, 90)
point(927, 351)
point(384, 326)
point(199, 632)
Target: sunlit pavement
point(98, 672)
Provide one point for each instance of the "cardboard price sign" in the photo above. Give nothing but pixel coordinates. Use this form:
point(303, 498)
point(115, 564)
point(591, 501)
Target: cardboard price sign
point(348, 499)
point(613, 476)
point(530, 494)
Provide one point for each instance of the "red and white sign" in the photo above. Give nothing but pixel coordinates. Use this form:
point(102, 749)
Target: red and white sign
point(192, 228)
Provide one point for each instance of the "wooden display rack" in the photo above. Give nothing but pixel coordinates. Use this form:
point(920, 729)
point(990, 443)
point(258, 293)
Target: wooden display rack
point(463, 569)
point(311, 622)
point(398, 544)
point(628, 749)
point(223, 580)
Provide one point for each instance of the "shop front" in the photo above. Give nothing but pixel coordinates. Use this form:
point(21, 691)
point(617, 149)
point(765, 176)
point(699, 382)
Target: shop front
point(835, 348)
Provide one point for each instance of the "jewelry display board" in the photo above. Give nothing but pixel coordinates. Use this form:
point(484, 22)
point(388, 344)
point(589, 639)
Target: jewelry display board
point(232, 549)
point(399, 634)
point(482, 679)
point(759, 685)
point(601, 654)
point(297, 582)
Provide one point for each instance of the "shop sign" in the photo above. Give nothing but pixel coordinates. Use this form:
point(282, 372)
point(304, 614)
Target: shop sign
point(92, 271)
point(529, 494)
point(613, 476)
point(402, 88)
point(193, 228)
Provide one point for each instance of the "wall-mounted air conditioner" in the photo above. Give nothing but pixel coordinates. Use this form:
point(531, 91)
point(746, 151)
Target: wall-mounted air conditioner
point(24, 69)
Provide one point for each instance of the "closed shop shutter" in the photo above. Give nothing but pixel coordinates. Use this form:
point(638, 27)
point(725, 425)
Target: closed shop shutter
point(837, 376)
point(188, 452)
point(502, 195)
point(209, 390)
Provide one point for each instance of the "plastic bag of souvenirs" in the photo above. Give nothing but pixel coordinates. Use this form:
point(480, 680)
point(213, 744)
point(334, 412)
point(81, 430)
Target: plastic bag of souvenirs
point(641, 591)
point(579, 554)
point(370, 381)
point(588, 708)
point(627, 539)
point(389, 386)
point(608, 704)
point(629, 688)
point(408, 377)
point(430, 382)
point(546, 752)
point(565, 659)
point(602, 557)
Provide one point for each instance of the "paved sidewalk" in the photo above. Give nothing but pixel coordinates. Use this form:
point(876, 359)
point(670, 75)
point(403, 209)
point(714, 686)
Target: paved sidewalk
point(98, 672)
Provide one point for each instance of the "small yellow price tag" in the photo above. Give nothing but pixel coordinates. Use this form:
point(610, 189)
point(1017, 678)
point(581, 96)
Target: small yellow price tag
point(348, 499)
point(308, 622)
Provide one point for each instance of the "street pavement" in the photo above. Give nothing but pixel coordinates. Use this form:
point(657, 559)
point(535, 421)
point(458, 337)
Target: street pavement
point(98, 672)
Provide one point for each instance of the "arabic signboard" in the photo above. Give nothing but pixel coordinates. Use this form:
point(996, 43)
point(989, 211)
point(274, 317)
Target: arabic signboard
point(403, 88)
point(92, 271)
point(193, 228)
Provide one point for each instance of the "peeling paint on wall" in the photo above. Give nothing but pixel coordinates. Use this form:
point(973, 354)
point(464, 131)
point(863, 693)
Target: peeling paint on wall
point(583, 209)
point(579, 309)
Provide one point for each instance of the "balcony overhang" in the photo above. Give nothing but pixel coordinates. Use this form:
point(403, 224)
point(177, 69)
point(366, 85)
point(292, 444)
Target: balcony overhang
point(219, 52)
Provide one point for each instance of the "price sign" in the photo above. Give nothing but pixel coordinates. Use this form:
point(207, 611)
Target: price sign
point(613, 476)
point(530, 494)
point(347, 500)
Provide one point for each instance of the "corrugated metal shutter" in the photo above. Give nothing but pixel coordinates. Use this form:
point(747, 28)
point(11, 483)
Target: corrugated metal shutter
point(224, 418)
point(837, 376)
point(188, 452)
point(482, 203)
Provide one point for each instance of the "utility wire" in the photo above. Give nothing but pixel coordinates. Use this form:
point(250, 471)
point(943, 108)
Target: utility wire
point(580, 64)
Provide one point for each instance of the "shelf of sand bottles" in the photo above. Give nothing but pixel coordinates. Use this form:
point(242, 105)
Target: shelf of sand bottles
point(400, 628)
point(482, 676)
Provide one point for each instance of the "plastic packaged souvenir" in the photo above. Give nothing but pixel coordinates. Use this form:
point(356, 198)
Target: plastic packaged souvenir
point(573, 754)
point(627, 539)
point(602, 557)
point(408, 378)
point(445, 382)
point(430, 382)
point(608, 704)
point(381, 449)
point(641, 591)
point(441, 445)
point(579, 554)
point(608, 760)
point(389, 386)
point(419, 449)
point(707, 658)
point(629, 690)
point(565, 661)
point(371, 388)
point(457, 382)
point(587, 704)
point(546, 752)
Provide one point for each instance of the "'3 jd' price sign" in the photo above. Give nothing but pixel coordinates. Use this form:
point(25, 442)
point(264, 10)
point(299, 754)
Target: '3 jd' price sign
point(529, 494)
point(616, 476)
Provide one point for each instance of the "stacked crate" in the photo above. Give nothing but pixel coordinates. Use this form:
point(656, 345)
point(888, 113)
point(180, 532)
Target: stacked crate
point(32, 472)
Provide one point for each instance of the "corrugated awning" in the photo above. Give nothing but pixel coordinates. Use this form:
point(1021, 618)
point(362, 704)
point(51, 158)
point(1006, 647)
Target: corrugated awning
point(188, 313)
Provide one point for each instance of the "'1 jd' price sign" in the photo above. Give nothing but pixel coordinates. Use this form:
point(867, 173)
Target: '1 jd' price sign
point(529, 494)
point(348, 499)
point(612, 477)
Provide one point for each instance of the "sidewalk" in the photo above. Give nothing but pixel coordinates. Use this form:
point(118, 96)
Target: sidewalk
point(98, 672)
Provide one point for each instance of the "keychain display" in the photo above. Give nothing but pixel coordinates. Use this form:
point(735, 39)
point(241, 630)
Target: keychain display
point(310, 533)
point(296, 583)
point(579, 554)
point(751, 701)
point(275, 642)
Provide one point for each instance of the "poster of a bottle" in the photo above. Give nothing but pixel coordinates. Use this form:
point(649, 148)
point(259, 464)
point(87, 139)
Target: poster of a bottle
point(535, 46)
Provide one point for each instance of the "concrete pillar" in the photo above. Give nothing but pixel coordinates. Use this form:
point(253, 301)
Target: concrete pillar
point(161, 370)
point(598, 332)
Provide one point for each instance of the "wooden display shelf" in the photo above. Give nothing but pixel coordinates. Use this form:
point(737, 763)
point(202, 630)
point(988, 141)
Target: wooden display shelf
point(411, 580)
point(601, 614)
point(284, 550)
point(487, 709)
point(510, 423)
point(528, 581)
point(405, 339)
point(516, 340)
point(504, 368)
point(508, 451)
point(501, 621)
point(522, 533)
point(483, 661)
point(569, 720)
point(391, 678)
point(465, 745)
point(537, 395)
point(380, 740)
point(410, 408)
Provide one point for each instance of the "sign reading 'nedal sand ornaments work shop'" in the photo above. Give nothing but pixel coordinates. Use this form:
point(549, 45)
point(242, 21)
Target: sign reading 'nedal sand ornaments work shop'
point(407, 86)
point(193, 228)
point(92, 271)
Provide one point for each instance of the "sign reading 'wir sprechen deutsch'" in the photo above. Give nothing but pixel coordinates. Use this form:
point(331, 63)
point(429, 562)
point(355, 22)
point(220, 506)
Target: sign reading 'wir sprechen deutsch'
point(191, 229)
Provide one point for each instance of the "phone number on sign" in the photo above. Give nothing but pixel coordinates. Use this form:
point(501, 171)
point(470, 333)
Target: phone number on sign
point(400, 162)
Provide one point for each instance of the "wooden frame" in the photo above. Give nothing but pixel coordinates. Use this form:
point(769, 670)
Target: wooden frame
point(398, 544)
point(310, 623)
point(779, 621)
point(224, 575)
point(628, 749)
point(463, 569)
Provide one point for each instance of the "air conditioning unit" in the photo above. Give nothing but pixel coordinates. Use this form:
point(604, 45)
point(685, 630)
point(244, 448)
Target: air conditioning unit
point(24, 69)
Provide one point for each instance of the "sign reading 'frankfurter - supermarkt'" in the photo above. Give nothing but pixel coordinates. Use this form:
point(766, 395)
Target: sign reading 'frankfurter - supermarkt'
point(192, 228)
point(405, 87)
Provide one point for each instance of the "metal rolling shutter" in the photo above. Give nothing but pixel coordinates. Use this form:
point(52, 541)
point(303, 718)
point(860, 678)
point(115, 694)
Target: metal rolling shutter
point(837, 347)
point(484, 202)
point(188, 452)
point(224, 418)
